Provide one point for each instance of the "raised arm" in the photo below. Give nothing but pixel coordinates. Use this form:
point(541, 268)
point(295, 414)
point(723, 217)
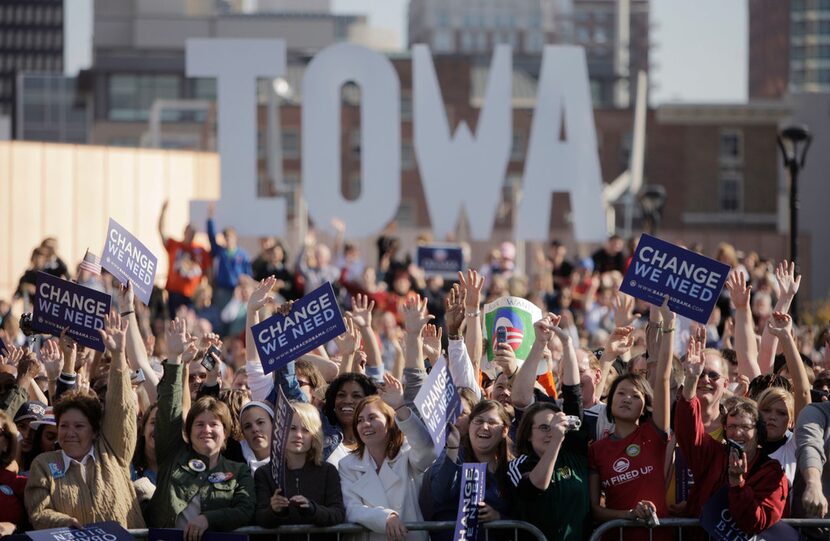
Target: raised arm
point(215, 247)
point(260, 383)
point(118, 426)
point(746, 348)
point(788, 284)
point(542, 474)
point(472, 285)
point(618, 344)
point(624, 316)
point(662, 394)
point(415, 318)
point(780, 326)
point(162, 218)
point(348, 344)
point(521, 393)
point(135, 349)
point(169, 416)
point(361, 314)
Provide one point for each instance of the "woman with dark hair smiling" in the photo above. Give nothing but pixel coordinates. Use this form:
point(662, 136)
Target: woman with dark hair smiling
point(342, 396)
point(88, 480)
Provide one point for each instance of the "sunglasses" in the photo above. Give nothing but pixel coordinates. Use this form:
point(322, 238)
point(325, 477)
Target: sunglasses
point(711, 374)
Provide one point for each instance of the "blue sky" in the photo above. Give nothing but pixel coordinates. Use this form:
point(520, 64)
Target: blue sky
point(700, 47)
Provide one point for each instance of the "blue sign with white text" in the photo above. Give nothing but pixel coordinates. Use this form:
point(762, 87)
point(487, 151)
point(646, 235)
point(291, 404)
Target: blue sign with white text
point(60, 303)
point(101, 531)
point(473, 486)
point(440, 260)
point(283, 412)
point(438, 402)
point(693, 282)
point(314, 320)
point(129, 260)
point(716, 518)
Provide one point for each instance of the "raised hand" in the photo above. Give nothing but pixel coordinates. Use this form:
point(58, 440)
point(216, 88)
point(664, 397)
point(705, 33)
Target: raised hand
point(544, 329)
point(176, 337)
point(125, 296)
point(361, 312)
point(620, 341)
point(624, 310)
point(694, 357)
point(666, 313)
point(454, 309)
point(788, 282)
point(432, 342)
point(67, 344)
point(737, 468)
point(114, 333)
point(780, 325)
point(261, 295)
point(392, 392)
point(739, 291)
point(52, 359)
point(472, 285)
point(349, 341)
point(505, 358)
point(415, 315)
point(13, 355)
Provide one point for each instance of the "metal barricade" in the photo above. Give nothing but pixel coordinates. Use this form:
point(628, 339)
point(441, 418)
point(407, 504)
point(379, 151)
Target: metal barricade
point(350, 529)
point(679, 524)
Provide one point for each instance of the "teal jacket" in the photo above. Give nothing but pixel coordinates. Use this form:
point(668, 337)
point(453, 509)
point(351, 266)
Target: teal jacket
point(227, 504)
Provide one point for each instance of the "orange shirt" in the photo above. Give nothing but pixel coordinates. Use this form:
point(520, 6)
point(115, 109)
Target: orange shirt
point(187, 264)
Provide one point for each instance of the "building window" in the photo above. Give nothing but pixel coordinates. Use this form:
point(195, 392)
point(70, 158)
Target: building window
point(406, 105)
point(204, 88)
point(517, 150)
point(131, 96)
point(290, 143)
point(407, 157)
point(466, 41)
point(731, 191)
point(534, 42)
point(731, 147)
point(443, 41)
point(481, 41)
point(406, 214)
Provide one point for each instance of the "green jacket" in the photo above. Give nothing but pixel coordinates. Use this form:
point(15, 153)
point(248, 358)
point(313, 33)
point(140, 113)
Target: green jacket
point(227, 504)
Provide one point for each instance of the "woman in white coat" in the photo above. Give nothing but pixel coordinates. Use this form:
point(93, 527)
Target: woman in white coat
point(382, 476)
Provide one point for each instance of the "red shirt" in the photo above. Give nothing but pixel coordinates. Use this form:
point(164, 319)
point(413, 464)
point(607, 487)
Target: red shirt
point(187, 264)
point(11, 497)
point(755, 506)
point(631, 470)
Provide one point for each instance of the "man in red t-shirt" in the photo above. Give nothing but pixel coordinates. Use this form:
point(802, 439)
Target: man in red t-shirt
point(188, 263)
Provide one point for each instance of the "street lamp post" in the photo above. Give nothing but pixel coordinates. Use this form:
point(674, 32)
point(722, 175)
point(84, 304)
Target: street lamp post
point(652, 200)
point(794, 141)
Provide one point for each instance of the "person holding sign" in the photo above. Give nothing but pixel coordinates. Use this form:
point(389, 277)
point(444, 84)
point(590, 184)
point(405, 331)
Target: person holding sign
point(755, 485)
point(628, 465)
point(486, 441)
point(312, 493)
point(198, 489)
point(551, 472)
point(381, 477)
point(88, 480)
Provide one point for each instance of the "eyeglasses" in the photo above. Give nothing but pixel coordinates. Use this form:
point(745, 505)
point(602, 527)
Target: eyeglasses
point(478, 421)
point(544, 429)
point(711, 374)
point(739, 428)
point(303, 383)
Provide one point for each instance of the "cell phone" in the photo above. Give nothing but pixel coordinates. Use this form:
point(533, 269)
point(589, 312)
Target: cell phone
point(501, 334)
point(137, 377)
point(211, 356)
point(735, 445)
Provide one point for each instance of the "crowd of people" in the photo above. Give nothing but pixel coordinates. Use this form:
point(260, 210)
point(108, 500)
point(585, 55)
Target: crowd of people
point(172, 425)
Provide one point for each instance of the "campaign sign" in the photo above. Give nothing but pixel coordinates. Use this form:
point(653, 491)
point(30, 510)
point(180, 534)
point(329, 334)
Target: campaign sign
point(445, 260)
point(693, 282)
point(282, 426)
point(170, 534)
point(438, 402)
point(314, 320)
point(517, 316)
point(60, 304)
point(129, 260)
point(719, 523)
point(473, 484)
point(100, 531)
